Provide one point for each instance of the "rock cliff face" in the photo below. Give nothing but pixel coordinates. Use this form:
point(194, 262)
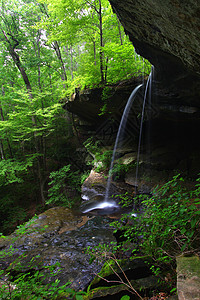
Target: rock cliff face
point(167, 33)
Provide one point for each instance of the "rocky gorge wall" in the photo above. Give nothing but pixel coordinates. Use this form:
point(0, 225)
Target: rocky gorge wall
point(170, 129)
point(167, 33)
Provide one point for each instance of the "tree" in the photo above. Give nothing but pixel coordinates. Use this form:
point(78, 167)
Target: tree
point(30, 116)
point(97, 38)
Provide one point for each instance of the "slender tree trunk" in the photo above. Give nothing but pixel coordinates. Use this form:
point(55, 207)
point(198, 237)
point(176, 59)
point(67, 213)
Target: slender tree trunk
point(64, 78)
point(50, 81)
point(43, 139)
point(71, 63)
point(1, 141)
point(38, 54)
point(106, 69)
point(59, 56)
point(94, 47)
point(101, 43)
point(120, 33)
point(7, 139)
point(56, 48)
point(17, 62)
point(2, 150)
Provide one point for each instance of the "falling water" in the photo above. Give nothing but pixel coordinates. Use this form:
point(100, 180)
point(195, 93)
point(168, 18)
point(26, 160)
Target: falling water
point(148, 86)
point(120, 135)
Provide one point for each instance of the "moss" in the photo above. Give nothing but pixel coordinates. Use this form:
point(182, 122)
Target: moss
point(188, 265)
point(105, 271)
point(103, 291)
point(111, 264)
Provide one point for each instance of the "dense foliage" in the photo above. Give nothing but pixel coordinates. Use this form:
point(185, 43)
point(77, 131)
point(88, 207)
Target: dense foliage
point(165, 226)
point(38, 282)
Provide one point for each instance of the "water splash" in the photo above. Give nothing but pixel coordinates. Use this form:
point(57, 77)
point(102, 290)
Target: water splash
point(120, 135)
point(148, 87)
point(103, 207)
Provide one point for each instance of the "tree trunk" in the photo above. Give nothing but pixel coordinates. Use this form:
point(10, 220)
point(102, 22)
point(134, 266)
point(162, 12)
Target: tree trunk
point(2, 150)
point(120, 33)
point(106, 69)
point(71, 62)
point(38, 54)
point(101, 43)
point(94, 47)
point(59, 56)
point(7, 139)
point(17, 62)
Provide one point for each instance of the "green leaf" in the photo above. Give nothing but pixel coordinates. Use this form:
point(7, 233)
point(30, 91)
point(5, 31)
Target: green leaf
point(79, 297)
point(183, 230)
point(125, 297)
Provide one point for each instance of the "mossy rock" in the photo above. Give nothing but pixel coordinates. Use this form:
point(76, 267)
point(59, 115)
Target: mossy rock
point(188, 277)
point(115, 285)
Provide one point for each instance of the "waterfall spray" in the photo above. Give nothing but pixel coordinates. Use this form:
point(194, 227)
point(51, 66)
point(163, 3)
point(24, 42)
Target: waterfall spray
point(148, 86)
point(120, 135)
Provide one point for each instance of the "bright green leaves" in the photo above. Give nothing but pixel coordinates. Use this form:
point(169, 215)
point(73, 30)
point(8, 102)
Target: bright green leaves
point(169, 224)
point(12, 171)
point(97, 40)
point(37, 282)
point(19, 123)
point(61, 180)
point(123, 62)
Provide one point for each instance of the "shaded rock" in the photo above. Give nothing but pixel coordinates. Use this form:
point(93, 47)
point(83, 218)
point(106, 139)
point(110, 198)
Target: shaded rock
point(95, 185)
point(167, 34)
point(64, 241)
point(117, 291)
point(188, 278)
point(129, 158)
point(52, 222)
point(136, 271)
point(95, 180)
point(93, 192)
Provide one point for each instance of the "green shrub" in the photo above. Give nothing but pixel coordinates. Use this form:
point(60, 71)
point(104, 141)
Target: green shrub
point(169, 224)
point(64, 183)
point(101, 157)
point(119, 170)
point(33, 283)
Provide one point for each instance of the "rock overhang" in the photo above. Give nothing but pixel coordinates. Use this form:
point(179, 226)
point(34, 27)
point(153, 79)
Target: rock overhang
point(167, 33)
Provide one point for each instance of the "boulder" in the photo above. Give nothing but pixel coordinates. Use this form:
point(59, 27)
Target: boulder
point(188, 277)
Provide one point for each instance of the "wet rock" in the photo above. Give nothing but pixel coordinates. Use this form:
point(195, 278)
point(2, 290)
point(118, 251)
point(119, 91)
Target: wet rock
point(129, 158)
point(93, 194)
point(94, 187)
point(136, 271)
point(64, 241)
point(95, 180)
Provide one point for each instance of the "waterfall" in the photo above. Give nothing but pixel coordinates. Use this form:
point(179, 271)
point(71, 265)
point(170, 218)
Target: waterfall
point(120, 136)
point(148, 86)
point(100, 205)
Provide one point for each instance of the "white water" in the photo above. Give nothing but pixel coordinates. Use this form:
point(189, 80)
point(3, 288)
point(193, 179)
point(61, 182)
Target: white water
point(120, 136)
point(105, 205)
point(148, 86)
